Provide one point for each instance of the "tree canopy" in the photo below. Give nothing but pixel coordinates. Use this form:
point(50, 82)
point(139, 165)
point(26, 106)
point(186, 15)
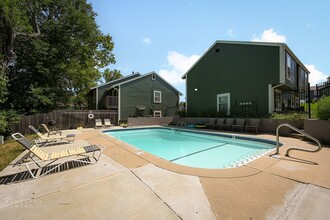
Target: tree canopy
point(50, 54)
point(110, 75)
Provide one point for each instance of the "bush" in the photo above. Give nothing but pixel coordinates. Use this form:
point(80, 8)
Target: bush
point(7, 120)
point(323, 109)
point(289, 116)
point(181, 113)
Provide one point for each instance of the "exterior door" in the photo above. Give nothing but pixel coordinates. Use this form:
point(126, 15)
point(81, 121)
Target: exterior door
point(223, 103)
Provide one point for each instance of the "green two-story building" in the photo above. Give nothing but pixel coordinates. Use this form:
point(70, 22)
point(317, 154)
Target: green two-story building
point(136, 95)
point(246, 79)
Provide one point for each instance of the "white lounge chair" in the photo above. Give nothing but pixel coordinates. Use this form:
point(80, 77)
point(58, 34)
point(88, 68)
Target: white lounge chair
point(107, 122)
point(51, 139)
point(98, 123)
point(39, 157)
point(56, 132)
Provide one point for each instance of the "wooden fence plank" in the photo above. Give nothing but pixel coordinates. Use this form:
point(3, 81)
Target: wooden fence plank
point(65, 119)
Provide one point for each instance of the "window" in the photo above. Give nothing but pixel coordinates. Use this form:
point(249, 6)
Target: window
point(153, 76)
point(303, 80)
point(157, 114)
point(223, 103)
point(291, 69)
point(157, 97)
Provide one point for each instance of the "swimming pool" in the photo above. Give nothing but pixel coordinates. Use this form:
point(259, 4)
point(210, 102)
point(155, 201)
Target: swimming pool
point(195, 149)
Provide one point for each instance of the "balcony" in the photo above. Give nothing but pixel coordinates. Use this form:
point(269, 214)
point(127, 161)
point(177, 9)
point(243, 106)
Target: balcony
point(111, 102)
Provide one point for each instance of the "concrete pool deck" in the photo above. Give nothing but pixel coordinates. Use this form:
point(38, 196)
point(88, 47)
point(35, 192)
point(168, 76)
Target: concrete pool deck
point(127, 184)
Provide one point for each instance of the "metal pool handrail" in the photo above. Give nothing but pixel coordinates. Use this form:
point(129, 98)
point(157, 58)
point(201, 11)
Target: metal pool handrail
point(294, 148)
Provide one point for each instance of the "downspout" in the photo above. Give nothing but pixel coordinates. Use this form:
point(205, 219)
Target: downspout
point(97, 98)
point(186, 107)
point(119, 105)
point(118, 102)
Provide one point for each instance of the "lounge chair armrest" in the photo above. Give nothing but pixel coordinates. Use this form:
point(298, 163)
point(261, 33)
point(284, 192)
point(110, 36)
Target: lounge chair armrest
point(17, 136)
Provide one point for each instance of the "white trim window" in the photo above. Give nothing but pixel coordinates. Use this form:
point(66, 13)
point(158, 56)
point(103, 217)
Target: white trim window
point(223, 103)
point(157, 114)
point(157, 96)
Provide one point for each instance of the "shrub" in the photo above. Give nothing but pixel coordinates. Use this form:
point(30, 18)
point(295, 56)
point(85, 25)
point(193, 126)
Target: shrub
point(323, 109)
point(7, 120)
point(181, 113)
point(289, 116)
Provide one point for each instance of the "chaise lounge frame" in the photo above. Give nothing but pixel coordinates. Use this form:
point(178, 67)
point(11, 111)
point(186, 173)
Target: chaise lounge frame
point(51, 139)
point(39, 157)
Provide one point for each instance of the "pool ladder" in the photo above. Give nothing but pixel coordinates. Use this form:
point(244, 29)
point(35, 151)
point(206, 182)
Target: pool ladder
point(179, 124)
point(294, 148)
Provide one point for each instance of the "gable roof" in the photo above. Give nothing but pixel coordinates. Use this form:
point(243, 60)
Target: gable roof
point(130, 78)
point(143, 76)
point(123, 79)
point(248, 43)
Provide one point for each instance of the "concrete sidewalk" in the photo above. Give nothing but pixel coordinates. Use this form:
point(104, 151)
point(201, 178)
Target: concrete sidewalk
point(127, 185)
point(106, 190)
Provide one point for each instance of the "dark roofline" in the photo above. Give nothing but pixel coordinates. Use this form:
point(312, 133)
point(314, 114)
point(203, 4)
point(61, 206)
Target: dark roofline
point(116, 80)
point(144, 75)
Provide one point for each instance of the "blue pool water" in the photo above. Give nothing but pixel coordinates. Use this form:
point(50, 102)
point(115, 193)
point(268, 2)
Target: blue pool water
point(195, 149)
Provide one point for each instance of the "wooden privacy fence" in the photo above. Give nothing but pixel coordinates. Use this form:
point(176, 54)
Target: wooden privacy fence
point(66, 119)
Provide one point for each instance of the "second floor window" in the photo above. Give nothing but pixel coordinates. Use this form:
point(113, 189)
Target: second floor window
point(157, 97)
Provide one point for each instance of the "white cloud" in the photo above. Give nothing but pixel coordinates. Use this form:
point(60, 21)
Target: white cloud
point(231, 33)
point(177, 65)
point(269, 36)
point(315, 75)
point(147, 40)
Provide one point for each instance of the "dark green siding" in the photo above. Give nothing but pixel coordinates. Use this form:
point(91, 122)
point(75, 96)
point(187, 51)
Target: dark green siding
point(140, 93)
point(102, 94)
point(103, 89)
point(242, 70)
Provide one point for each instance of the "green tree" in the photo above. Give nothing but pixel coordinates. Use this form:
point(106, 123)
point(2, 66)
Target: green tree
point(50, 53)
point(110, 75)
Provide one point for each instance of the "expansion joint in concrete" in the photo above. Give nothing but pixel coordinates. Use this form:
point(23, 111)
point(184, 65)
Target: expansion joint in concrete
point(156, 194)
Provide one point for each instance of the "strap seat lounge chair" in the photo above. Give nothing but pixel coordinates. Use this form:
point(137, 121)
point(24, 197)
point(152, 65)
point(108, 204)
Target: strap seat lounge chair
point(219, 123)
point(253, 124)
point(240, 123)
point(51, 139)
point(56, 132)
point(210, 123)
point(229, 123)
point(98, 123)
point(39, 156)
point(107, 122)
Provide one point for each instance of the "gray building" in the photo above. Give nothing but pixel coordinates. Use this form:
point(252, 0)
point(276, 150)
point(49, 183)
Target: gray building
point(136, 95)
point(246, 79)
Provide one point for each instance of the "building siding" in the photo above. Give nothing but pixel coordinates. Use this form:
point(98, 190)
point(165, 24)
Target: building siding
point(140, 93)
point(102, 90)
point(244, 71)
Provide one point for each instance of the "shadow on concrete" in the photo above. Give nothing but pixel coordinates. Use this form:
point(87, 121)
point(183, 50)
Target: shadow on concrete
point(299, 160)
point(25, 175)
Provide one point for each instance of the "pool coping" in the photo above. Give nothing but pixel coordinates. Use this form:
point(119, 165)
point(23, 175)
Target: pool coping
point(234, 172)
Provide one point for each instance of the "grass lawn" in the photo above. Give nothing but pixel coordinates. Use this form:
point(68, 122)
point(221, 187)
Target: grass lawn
point(9, 151)
point(314, 110)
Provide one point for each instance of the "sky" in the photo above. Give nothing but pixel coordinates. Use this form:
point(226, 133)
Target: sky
point(169, 36)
